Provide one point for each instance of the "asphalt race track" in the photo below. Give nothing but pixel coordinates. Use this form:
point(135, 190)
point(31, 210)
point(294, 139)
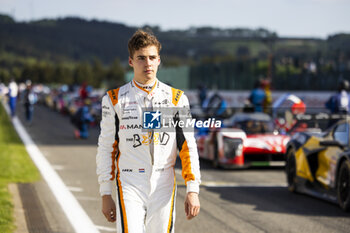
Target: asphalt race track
point(252, 200)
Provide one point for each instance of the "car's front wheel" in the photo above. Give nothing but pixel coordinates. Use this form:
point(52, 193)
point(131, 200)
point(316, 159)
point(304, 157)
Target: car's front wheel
point(215, 162)
point(343, 186)
point(291, 170)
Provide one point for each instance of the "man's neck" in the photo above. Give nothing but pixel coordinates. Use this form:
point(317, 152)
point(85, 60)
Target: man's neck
point(147, 87)
point(145, 81)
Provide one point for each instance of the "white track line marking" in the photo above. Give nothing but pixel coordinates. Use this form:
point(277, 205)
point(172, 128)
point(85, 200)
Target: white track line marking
point(102, 228)
point(75, 189)
point(58, 167)
point(87, 198)
point(76, 215)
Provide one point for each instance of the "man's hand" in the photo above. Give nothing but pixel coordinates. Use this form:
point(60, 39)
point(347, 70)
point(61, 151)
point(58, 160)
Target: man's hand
point(192, 205)
point(108, 208)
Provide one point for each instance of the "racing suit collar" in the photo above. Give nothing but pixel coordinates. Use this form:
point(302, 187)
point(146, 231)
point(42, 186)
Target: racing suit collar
point(142, 87)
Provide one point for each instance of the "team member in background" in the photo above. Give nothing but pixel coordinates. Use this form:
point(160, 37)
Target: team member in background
point(143, 162)
point(29, 98)
point(257, 96)
point(82, 120)
point(13, 93)
point(266, 83)
point(339, 102)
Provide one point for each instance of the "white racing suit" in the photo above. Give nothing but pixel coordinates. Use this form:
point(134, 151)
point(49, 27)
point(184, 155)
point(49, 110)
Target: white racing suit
point(143, 161)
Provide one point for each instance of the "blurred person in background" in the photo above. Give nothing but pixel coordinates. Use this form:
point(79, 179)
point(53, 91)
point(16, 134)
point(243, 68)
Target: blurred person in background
point(2, 90)
point(13, 93)
point(202, 94)
point(266, 84)
point(258, 96)
point(340, 102)
point(82, 119)
point(83, 92)
point(215, 106)
point(29, 98)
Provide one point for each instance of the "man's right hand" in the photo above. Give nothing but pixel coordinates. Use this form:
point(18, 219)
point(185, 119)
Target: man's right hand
point(108, 208)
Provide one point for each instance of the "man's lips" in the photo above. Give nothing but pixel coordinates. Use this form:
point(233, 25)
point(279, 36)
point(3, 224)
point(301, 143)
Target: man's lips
point(148, 71)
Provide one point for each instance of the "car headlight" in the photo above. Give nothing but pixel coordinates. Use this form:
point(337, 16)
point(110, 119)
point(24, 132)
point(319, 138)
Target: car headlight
point(232, 147)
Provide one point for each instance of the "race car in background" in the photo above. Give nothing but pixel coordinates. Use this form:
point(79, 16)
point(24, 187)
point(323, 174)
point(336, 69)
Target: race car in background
point(318, 164)
point(248, 139)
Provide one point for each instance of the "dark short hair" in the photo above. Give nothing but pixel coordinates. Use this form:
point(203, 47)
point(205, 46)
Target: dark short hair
point(142, 39)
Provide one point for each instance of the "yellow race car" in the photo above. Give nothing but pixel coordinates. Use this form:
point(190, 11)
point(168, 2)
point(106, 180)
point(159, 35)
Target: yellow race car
point(318, 164)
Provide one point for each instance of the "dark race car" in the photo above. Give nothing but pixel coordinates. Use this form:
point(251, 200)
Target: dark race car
point(319, 164)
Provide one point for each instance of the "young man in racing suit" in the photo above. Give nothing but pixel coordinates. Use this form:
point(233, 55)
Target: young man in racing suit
point(142, 162)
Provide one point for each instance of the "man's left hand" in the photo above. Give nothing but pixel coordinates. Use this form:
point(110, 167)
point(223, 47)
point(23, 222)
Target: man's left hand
point(192, 205)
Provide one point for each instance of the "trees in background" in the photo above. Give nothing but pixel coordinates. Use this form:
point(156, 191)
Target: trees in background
point(72, 50)
point(95, 73)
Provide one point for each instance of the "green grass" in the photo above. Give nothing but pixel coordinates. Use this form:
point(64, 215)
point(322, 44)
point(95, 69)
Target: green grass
point(15, 167)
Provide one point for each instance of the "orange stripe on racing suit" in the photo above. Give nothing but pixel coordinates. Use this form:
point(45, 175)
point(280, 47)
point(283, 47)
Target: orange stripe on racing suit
point(186, 163)
point(113, 95)
point(124, 221)
point(113, 155)
point(176, 95)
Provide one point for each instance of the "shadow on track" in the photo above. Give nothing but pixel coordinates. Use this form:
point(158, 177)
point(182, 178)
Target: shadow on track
point(278, 200)
point(208, 166)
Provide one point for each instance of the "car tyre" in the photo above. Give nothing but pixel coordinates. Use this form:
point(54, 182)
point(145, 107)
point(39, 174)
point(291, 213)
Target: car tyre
point(291, 169)
point(215, 162)
point(343, 186)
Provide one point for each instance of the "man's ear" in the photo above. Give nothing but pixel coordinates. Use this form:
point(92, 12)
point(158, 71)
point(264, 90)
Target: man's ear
point(131, 62)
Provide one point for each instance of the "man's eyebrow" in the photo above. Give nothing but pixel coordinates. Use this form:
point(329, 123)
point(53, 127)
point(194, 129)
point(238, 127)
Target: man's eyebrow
point(143, 56)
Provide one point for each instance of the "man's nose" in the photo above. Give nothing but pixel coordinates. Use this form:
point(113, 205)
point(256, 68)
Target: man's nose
point(148, 61)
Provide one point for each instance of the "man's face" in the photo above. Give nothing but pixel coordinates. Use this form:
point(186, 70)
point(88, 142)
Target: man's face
point(145, 63)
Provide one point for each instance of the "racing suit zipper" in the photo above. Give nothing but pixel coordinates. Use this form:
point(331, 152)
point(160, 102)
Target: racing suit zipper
point(149, 107)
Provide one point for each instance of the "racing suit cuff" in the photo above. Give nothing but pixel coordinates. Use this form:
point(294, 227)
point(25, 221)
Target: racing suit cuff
point(106, 188)
point(192, 186)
